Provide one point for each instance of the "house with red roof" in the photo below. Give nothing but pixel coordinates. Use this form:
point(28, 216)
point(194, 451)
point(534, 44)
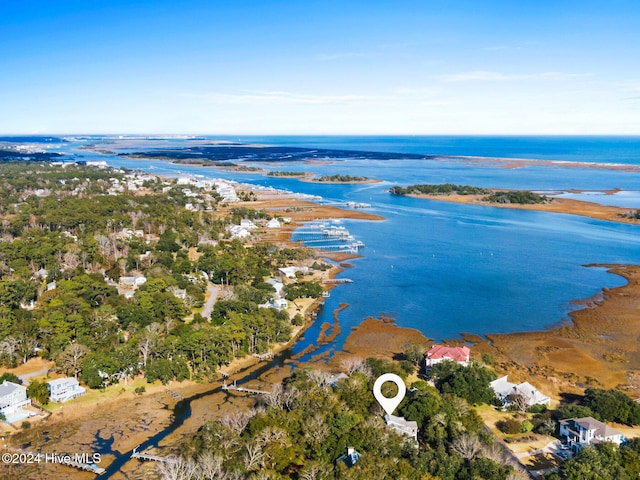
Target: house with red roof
point(440, 353)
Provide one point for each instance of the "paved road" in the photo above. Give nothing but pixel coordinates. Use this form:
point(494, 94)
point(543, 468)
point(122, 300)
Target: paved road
point(211, 301)
point(26, 376)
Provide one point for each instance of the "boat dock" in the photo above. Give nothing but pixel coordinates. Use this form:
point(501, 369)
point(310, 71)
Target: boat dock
point(234, 386)
point(152, 458)
point(328, 237)
point(263, 356)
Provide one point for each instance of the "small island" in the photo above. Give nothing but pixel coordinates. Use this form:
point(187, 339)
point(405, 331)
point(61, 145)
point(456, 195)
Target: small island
point(285, 174)
point(438, 189)
point(516, 199)
point(338, 178)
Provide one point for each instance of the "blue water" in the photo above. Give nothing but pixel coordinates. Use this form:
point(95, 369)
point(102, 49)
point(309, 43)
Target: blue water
point(605, 149)
point(445, 268)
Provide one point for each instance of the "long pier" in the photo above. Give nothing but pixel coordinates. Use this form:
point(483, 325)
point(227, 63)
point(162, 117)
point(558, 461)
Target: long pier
point(337, 280)
point(234, 386)
point(263, 356)
point(152, 458)
point(60, 459)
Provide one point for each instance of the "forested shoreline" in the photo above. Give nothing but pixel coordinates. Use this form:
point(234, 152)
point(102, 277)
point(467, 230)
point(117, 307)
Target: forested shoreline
point(105, 272)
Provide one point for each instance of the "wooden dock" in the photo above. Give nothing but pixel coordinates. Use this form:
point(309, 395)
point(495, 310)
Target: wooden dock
point(234, 386)
point(152, 458)
point(263, 356)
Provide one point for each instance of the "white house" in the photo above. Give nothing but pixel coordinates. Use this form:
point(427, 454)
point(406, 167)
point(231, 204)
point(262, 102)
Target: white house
point(440, 353)
point(532, 396)
point(277, 303)
point(248, 224)
point(290, 272)
point(135, 281)
point(63, 389)
point(405, 427)
point(273, 223)
point(238, 232)
point(578, 432)
point(12, 397)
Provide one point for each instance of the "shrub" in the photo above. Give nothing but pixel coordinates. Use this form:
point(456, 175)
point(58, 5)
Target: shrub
point(526, 426)
point(510, 426)
point(537, 409)
point(488, 359)
point(140, 390)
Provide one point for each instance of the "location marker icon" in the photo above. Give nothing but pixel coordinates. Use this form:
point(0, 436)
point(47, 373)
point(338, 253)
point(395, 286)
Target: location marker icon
point(389, 404)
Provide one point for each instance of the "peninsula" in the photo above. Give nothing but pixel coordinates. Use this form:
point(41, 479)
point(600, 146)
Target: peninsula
point(517, 199)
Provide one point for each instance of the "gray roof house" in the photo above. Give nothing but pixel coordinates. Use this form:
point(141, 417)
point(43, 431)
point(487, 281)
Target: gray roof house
point(12, 397)
point(63, 389)
point(578, 432)
point(405, 427)
point(531, 394)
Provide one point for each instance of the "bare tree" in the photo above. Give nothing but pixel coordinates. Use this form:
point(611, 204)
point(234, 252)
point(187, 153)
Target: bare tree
point(210, 466)
point(316, 470)
point(316, 430)
point(355, 364)
point(182, 469)
point(71, 260)
point(149, 340)
point(517, 402)
point(269, 435)
point(280, 397)
point(9, 347)
point(468, 446)
point(254, 458)
point(70, 359)
point(237, 421)
point(319, 376)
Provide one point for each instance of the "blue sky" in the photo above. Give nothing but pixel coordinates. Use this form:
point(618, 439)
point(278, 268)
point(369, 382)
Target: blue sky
point(320, 67)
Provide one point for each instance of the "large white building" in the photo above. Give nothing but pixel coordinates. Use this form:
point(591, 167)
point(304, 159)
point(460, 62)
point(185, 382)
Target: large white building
point(504, 389)
point(578, 432)
point(12, 397)
point(63, 389)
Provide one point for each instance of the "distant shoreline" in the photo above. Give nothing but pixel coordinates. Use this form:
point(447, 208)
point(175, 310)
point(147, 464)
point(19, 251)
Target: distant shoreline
point(558, 205)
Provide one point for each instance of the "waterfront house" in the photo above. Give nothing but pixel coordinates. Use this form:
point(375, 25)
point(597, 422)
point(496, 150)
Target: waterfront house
point(63, 389)
point(504, 389)
point(12, 397)
point(277, 303)
point(273, 223)
point(290, 272)
point(405, 427)
point(440, 353)
point(578, 432)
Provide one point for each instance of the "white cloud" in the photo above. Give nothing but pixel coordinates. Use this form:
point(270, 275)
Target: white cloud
point(488, 76)
point(278, 97)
